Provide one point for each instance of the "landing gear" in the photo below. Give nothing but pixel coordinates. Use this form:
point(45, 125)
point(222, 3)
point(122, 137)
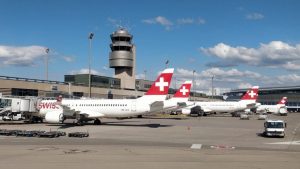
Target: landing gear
point(97, 122)
point(79, 122)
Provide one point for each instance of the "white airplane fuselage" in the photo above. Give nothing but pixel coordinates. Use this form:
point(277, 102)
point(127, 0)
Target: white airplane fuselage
point(220, 107)
point(276, 109)
point(96, 108)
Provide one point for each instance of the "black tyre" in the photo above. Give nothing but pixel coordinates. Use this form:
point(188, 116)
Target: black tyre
point(97, 122)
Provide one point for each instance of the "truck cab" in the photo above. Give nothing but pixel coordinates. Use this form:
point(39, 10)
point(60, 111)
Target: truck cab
point(274, 128)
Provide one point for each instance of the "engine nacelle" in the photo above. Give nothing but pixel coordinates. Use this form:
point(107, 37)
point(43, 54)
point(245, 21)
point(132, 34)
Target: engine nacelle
point(54, 117)
point(186, 111)
point(283, 111)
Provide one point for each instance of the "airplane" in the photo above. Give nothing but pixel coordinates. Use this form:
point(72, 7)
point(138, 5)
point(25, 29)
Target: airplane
point(247, 101)
point(280, 108)
point(180, 98)
point(84, 110)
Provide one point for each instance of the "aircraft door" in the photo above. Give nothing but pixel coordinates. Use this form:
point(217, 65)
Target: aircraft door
point(133, 106)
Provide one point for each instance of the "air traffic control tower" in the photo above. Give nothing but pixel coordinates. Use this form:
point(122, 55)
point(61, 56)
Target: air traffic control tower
point(122, 58)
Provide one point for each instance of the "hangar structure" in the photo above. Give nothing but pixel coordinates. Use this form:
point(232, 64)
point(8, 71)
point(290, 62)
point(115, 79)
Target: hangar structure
point(271, 95)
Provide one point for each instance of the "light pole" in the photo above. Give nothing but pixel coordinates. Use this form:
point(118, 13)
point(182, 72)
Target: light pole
point(47, 60)
point(175, 80)
point(194, 71)
point(212, 87)
point(91, 35)
point(145, 72)
point(167, 63)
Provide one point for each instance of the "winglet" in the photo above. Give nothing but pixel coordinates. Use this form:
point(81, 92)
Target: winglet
point(251, 94)
point(162, 83)
point(184, 90)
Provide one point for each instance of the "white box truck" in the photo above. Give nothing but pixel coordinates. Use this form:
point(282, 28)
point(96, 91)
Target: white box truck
point(274, 128)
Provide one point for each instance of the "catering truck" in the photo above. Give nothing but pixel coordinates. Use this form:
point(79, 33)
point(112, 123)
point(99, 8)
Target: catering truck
point(274, 128)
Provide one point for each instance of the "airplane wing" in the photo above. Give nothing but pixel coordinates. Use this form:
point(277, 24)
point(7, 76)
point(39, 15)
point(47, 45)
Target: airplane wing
point(68, 112)
point(179, 105)
point(206, 109)
point(251, 105)
point(90, 114)
point(156, 106)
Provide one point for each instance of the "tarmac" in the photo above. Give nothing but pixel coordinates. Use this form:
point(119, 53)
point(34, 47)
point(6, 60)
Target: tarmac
point(156, 142)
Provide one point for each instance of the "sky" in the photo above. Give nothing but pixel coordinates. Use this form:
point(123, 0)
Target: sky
point(239, 43)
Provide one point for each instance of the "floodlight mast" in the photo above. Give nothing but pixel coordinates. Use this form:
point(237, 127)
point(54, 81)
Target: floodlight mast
point(91, 35)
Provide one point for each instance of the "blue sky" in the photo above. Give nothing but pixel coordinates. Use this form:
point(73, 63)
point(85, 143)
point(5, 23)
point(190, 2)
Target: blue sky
point(241, 43)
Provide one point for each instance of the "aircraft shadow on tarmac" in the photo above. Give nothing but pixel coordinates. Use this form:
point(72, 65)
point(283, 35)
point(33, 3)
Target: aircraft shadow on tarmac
point(150, 125)
point(165, 118)
point(10, 123)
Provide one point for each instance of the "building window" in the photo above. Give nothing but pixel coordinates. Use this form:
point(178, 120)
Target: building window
point(24, 92)
point(78, 94)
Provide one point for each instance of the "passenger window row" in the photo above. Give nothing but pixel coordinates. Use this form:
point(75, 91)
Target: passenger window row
point(99, 105)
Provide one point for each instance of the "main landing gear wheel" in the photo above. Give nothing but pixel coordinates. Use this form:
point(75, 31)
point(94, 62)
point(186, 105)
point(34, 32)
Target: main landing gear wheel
point(97, 122)
point(79, 122)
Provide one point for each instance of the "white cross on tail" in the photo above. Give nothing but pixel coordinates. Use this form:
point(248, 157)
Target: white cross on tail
point(252, 94)
point(161, 84)
point(184, 90)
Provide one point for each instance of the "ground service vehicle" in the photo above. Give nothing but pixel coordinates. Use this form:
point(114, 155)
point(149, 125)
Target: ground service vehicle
point(79, 134)
point(274, 128)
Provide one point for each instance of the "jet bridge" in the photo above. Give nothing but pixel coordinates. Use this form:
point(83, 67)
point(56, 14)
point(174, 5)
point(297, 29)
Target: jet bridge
point(16, 108)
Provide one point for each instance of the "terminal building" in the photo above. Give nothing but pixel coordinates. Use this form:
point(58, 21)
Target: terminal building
point(271, 95)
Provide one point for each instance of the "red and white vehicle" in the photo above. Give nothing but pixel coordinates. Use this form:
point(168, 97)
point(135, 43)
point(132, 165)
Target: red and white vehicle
point(92, 109)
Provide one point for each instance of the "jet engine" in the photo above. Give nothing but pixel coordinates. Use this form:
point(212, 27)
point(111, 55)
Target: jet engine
point(283, 111)
point(186, 111)
point(55, 117)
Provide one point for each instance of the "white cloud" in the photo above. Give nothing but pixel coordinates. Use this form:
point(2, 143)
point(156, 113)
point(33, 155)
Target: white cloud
point(273, 54)
point(160, 20)
point(223, 79)
point(232, 73)
point(68, 58)
point(255, 16)
point(163, 21)
point(291, 79)
point(244, 85)
point(201, 21)
point(183, 21)
point(105, 68)
point(168, 24)
point(21, 56)
point(140, 76)
point(114, 22)
point(85, 71)
point(233, 79)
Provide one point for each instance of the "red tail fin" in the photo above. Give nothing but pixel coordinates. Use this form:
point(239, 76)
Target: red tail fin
point(251, 94)
point(283, 100)
point(162, 83)
point(184, 90)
